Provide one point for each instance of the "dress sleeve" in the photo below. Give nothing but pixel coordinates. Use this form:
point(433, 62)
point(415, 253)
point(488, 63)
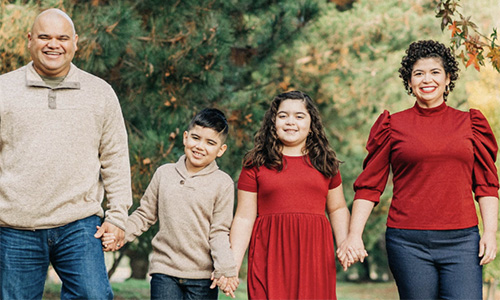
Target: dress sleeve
point(248, 180)
point(484, 175)
point(335, 181)
point(370, 184)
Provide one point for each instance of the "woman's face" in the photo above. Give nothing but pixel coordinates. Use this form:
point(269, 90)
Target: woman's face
point(428, 81)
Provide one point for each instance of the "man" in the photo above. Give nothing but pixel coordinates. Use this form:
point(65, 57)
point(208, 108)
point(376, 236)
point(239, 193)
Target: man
point(63, 144)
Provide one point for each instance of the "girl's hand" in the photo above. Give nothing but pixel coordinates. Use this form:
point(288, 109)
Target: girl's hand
point(351, 250)
point(226, 285)
point(232, 285)
point(220, 282)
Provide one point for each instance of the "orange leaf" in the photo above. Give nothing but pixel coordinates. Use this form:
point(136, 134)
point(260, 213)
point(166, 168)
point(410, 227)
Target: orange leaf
point(454, 29)
point(473, 60)
point(494, 56)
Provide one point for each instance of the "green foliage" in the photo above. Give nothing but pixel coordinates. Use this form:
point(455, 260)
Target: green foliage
point(169, 59)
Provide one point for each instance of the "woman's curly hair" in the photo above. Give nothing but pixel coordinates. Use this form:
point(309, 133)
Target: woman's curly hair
point(428, 49)
point(267, 146)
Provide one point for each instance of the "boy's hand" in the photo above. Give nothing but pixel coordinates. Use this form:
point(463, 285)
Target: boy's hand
point(214, 281)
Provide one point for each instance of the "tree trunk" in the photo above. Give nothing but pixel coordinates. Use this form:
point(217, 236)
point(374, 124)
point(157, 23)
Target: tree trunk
point(116, 262)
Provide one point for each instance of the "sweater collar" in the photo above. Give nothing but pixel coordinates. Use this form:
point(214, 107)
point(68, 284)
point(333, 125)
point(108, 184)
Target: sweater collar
point(70, 82)
point(429, 112)
point(180, 166)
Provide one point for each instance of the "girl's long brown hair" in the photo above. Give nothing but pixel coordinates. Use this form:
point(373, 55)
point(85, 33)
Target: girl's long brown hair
point(267, 149)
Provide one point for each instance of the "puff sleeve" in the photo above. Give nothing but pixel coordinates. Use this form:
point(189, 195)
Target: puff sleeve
point(370, 184)
point(484, 172)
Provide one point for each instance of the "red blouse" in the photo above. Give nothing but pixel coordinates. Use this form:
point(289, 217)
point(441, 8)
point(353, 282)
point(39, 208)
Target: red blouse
point(438, 156)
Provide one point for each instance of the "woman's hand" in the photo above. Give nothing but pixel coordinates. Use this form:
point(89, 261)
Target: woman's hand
point(487, 247)
point(351, 250)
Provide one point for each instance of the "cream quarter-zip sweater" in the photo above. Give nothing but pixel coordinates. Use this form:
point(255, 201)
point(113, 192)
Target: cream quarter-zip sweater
point(61, 150)
point(194, 214)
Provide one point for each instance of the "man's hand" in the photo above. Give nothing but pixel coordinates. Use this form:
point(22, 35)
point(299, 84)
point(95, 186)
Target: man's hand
point(107, 227)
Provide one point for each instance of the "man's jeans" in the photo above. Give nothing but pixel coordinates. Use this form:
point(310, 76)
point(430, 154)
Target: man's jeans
point(73, 251)
point(169, 287)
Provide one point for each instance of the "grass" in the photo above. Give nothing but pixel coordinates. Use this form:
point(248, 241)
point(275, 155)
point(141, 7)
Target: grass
point(139, 289)
point(127, 290)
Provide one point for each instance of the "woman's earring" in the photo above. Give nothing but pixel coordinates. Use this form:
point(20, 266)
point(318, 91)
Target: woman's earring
point(410, 91)
point(447, 90)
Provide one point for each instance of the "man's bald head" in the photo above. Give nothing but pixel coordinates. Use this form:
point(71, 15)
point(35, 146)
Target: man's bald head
point(50, 13)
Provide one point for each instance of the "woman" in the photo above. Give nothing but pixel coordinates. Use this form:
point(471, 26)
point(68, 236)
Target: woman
point(438, 156)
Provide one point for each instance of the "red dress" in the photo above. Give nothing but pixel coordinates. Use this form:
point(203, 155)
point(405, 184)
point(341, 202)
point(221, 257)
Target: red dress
point(291, 253)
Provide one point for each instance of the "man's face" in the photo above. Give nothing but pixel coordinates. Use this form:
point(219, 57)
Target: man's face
point(52, 44)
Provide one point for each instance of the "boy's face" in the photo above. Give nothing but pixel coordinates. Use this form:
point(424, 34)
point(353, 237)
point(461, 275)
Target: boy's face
point(202, 146)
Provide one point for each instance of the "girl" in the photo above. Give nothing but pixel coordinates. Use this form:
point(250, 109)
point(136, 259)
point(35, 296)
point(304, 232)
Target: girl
point(288, 180)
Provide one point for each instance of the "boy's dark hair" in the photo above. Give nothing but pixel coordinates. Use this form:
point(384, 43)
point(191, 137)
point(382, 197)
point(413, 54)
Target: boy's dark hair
point(211, 118)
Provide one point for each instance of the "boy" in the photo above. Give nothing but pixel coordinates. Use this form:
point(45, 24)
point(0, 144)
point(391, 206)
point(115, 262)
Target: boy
point(193, 201)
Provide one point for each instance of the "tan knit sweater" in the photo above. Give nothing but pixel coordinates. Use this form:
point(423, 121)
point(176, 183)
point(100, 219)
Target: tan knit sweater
point(61, 150)
point(195, 214)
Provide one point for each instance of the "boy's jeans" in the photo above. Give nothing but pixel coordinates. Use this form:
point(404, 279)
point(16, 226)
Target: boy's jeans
point(74, 252)
point(169, 287)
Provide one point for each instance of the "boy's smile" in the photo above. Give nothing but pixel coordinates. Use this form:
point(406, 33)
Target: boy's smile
point(202, 146)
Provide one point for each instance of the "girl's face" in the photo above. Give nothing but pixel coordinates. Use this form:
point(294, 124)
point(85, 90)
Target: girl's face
point(428, 81)
point(293, 124)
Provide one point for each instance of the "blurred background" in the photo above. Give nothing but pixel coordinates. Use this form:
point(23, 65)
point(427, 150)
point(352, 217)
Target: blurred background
point(169, 59)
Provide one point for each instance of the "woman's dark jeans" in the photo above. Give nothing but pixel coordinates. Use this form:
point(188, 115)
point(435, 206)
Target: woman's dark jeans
point(435, 264)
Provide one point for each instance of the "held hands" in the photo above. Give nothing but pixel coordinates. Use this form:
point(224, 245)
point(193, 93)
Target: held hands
point(350, 251)
point(225, 284)
point(112, 237)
